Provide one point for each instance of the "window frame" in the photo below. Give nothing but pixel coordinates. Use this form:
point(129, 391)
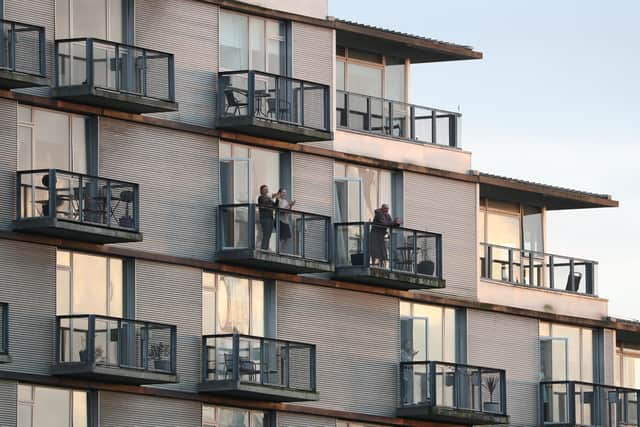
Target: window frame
point(444, 327)
point(123, 37)
point(581, 329)
point(623, 351)
point(250, 412)
point(487, 209)
point(31, 403)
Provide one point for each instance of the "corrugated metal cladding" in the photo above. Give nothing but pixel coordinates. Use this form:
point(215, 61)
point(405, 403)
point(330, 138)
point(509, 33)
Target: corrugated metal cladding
point(312, 180)
point(312, 49)
point(28, 284)
point(609, 356)
point(357, 340)
point(8, 161)
point(8, 403)
point(296, 420)
point(173, 294)
point(508, 342)
point(189, 30)
point(447, 207)
point(177, 173)
point(147, 411)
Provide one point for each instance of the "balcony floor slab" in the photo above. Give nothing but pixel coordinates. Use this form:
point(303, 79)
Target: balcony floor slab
point(112, 374)
point(121, 101)
point(72, 230)
point(17, 80)
point(256, 391)
point(272, 129)
point(271, 261)
point(391, 279)
point(451, 415)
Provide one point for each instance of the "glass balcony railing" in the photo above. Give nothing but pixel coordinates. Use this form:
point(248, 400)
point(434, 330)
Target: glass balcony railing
point(453, 386)
point(537, 269)
point(96, 71)
point(249, 231)
point(88, 341)
point(397, 119)
point(22, 48)
point(273, 105)
point(67, 197)
point(234, 360)
point(572, 403)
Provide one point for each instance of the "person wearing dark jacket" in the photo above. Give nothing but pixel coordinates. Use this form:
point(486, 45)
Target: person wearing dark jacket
point(382, 220)
point(266, 207)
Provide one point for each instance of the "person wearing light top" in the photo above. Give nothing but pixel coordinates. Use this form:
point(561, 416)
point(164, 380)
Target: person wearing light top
point(285, 219)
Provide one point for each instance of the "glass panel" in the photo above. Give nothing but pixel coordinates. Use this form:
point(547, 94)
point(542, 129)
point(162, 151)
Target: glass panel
point(315, 231)
point(257, 308)
point(79, 408)
point(235, 227)
point(276, 47)
point(554, 359)
point(585, 399)
point(445, 377)
point(350, 245)
point(89, 284)
point(233, 300)
point(79, 144)
point(160, 351)
point(492, 397)
point(258, 51)
point(115, 292)
point(234, 181)
point(340, 75)
point(265, 229)
point(532, 226)
point(503, 229)
point(555, 401)
point(415, 383)
point(348, 200)
point(364, 80)
point(208, 303)
point(228, 417)
point(413, 337)
point(234, 33)
point(394, 79)
point(358, 112)
point(52, 407)
point(265, 169)
point(403, 251)
point(51, 140)
point(427, 254)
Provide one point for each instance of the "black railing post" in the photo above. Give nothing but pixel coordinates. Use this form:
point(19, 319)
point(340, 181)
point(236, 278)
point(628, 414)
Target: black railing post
point(414, 252)
point(304, 232)
point(571, 386)
point(204, 359)
point(118, 68)
point(287, 365)
point(172, 78)
point(301, 103)
point(327, 108)
point(368, 124)
point(251, 93)
point(391, 247)
point(89, 64)
point(434, 127)
point(366, 228)
point(56, 71)
point(80, 199)
point(531, 271)
point(19, 200)
point(43, 52)
point(263, 361)
point(52, 193)
point(144, 72)
point(346, 109)
point(58, 340)
point(572, 277)
point(235, 357)
point(489, 261)
point(107, 205)
point(312, 368)
point(121, 352)
point(390, 118)
point(453, 130)
point(439, 256)
point(503, 392)
point(551, 273)
point(510, 252)
point(431, 377)
point(252, 225)
point(412, 122)
point(145, 347)
point(136, 207)
point(174, 349)
point(12, 42)
point(91, 340)
point(277, 220)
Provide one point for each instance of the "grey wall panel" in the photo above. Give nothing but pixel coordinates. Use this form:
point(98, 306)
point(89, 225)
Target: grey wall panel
point(8, 161)
point(447, 207)
point(130, 410)
point(609, 356)
point(296, 420)
point(173, 294)
point(189, 30)
point(177, 173)
point(28, 284)
point(8, 403)
point(312, 49)
point(357, 340)
point(313, 183)
point(511, 343)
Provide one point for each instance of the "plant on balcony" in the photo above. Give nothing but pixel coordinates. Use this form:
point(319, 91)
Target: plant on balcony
point(491, 383)
point(160, 353)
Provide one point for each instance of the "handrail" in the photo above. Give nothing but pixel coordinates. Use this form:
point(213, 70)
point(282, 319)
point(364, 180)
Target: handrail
point(243, 205)
point(84, 175)
point(452, 364)
point(112, 43)
point(538, 252)
point(42, 63)
point(100, 316)
point(406, 104)
point(395, 227)
point(256, 337)
point(267, 74)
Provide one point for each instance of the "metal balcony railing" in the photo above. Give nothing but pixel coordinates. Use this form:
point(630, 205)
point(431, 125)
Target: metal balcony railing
point(574, 403)
point(261, 361)
point(116, 343)
point(397, 119)
point(537, 269)
point(454, 386)
point(279, 231)
point(115, 66)
point(4, 329)
point(22, 48)
point(274, 98)
point(78, 198)
point(365, 244)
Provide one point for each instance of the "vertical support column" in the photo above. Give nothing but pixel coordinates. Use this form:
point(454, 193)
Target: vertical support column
point(251, 94)
point(91, 340)
point(235, 358)
point(312, 368)
point(52, 193)
point(89, 64)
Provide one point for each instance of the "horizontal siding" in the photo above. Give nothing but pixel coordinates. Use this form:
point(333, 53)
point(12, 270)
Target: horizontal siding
point(312, 179)
point(189, 30)
point(296, 420)
point(509, 342)
point(172, 294)
point(357, 340)
point(447, 207)
point(130, 410)
point(8, 161)
point(178, 177)
point(28, 284)
point(8, 403)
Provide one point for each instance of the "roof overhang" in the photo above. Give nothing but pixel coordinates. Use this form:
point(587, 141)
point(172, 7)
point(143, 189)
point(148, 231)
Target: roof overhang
point(553, 198)
point(387, 42)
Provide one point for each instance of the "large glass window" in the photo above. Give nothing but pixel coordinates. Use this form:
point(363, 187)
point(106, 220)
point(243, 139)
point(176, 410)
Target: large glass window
point(102, 19)
point(232, 304)
point(532, 229)
point(512, 225)
point(371, 74)
point(218, 416)
point(89, 284)
point(627, 367)
point(566, 353)
point(51, 139)
point(252, 43)
point(427, 332)
point(51, 407)
point(360, 191)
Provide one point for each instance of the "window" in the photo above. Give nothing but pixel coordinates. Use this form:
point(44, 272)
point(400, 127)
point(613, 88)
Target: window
point(4, 329)
point(89, 284)
point(511, 224)
point(101, 19)
point(232, 304)
point(51, 140)
point(566, 353)
point(371, 74)
point(360, 191)
point(217, 416)
point(51, 407)
point(427, 332)
point(628, 366)
point(252, 43)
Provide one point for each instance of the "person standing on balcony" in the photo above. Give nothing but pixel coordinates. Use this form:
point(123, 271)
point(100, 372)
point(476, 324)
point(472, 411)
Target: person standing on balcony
point(266, 207)
point(285, 219)
point(382, 220)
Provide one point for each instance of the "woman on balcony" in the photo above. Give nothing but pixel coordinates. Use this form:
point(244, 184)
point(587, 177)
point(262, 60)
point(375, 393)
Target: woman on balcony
point(377, 244)
point(285, 219)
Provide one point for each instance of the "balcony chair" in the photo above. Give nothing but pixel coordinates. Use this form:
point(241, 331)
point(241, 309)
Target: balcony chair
point(246, 366)
point(126, 220)
point(573, 287)
point(284, 108)
point(233, 103)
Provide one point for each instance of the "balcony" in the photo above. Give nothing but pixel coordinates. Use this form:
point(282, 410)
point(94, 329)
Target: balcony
point(272, 106)
point(258, 368)
point(388, 256)
point(108, 349)
point(78, 207)
point(573, 404)
point(399, 120)
point(113, 75)
point(538, 270)
point(22, 56)
point(452, 393)
point(4, 333)
point(273, 239)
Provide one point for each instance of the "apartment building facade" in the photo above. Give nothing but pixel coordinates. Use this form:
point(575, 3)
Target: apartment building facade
point(150, 280)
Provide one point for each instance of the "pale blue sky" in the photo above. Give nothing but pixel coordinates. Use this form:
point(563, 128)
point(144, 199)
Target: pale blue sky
point(556, 99)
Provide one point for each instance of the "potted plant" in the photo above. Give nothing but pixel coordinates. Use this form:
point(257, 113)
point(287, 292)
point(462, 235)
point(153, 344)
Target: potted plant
point(491, 383)
point(160, 353)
